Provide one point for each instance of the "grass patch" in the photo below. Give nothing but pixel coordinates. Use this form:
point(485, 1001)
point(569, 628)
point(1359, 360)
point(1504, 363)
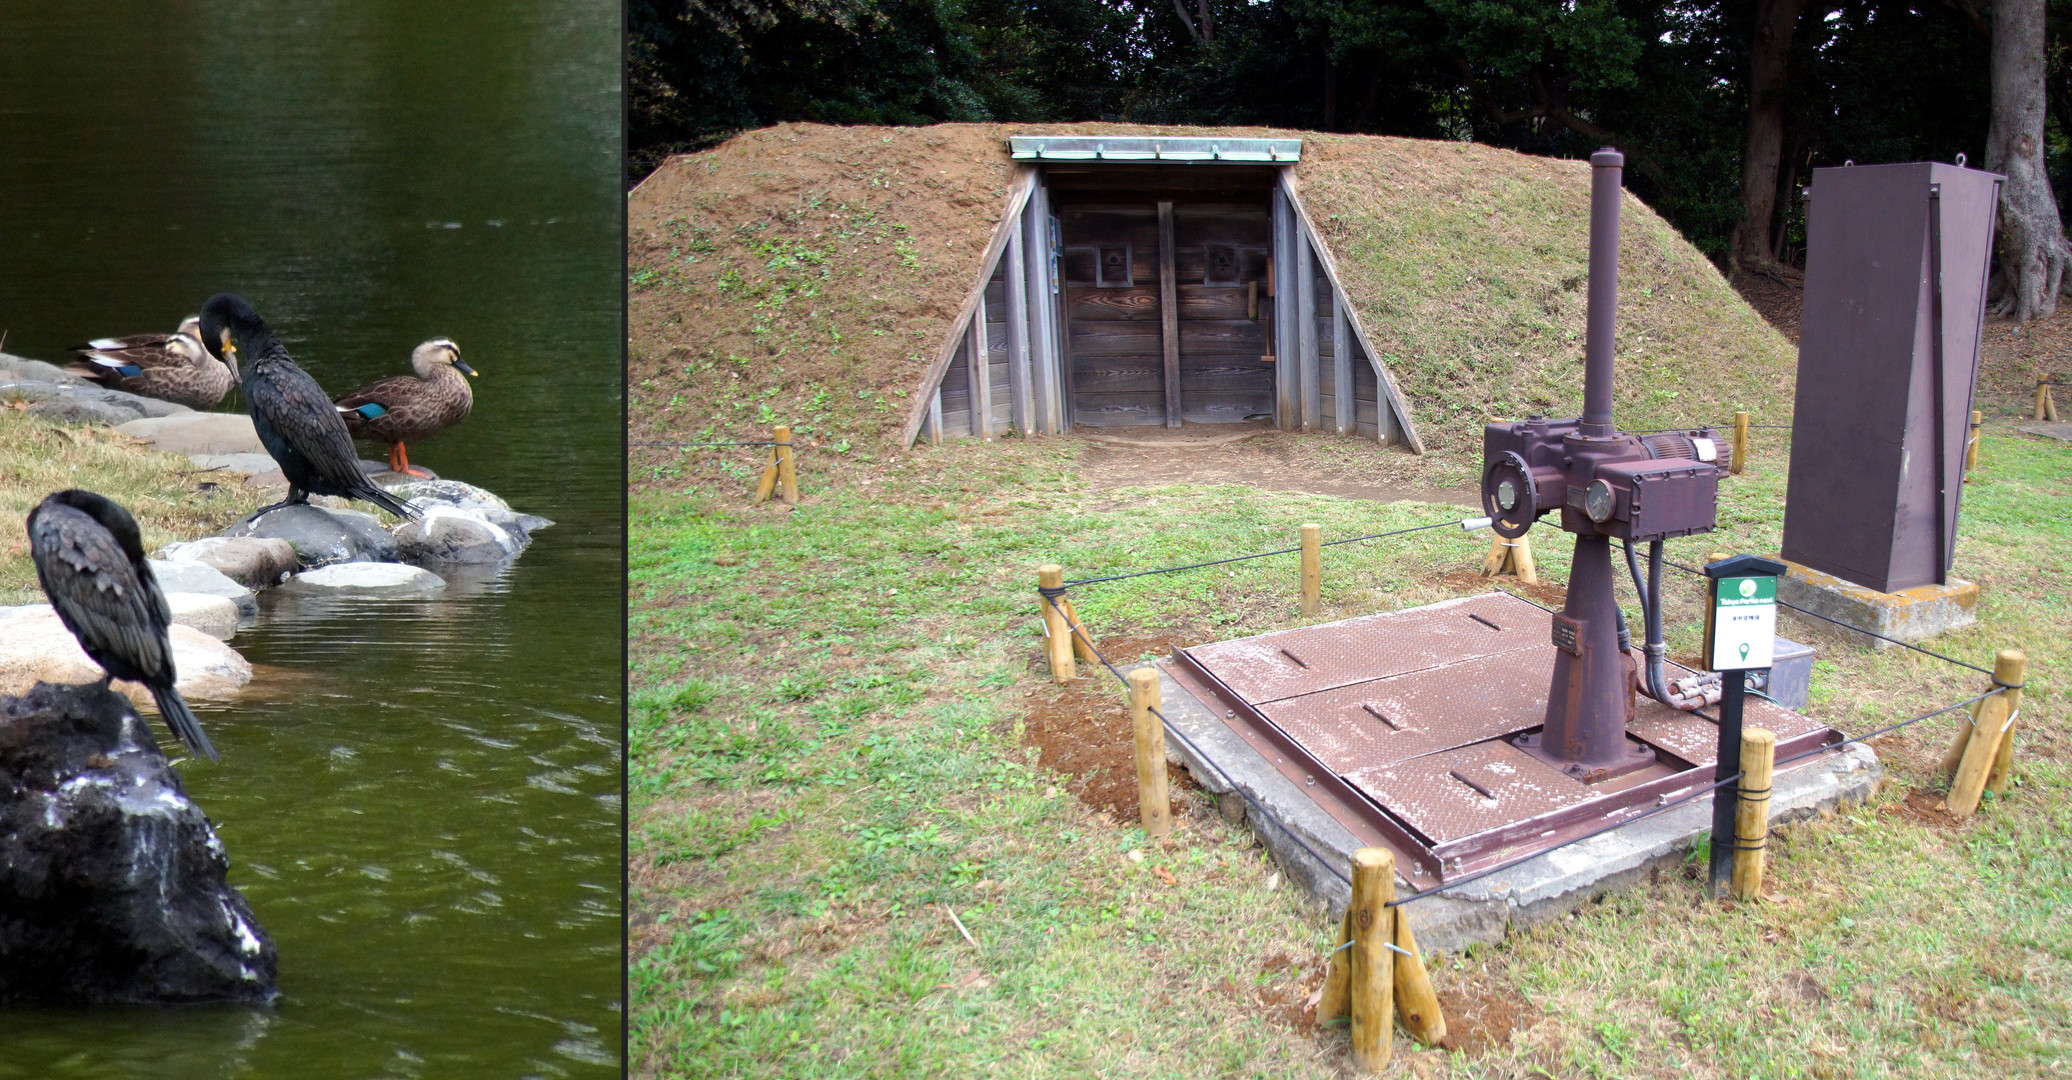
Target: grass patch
point(169, 497)
point(828, 757)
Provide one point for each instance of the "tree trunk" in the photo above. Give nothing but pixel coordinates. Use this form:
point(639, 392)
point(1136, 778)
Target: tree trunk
point(1769, 77)
point(2032, 248)
point(1330, 93)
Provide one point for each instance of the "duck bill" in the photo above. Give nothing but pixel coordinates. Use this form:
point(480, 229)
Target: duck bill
point(462, 365)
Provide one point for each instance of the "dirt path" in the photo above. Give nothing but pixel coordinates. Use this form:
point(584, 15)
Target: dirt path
point(1260, 458)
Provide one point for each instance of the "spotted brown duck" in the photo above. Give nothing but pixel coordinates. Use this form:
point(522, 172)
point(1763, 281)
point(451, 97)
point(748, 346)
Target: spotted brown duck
point(406, 408)
point(170, 367)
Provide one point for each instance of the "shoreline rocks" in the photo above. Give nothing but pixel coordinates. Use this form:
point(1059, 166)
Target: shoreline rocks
point(113, 883)
point(35, 647)
point(362, 578)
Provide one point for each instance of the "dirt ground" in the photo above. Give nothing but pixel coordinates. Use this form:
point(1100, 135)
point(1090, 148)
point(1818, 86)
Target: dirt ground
point(1265, 459)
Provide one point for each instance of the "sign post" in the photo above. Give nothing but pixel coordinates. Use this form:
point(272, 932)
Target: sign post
point(1741, 635)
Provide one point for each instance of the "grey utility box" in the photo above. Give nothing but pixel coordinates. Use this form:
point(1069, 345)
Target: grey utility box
point(1896, 265)
point(1789, 678)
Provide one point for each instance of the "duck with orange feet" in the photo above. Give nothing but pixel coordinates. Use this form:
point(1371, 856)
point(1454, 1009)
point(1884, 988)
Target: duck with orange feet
point(407, 408)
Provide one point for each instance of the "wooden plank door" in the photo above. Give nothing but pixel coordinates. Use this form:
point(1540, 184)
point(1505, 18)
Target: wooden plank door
point(1115, 350)
point(1220, 260)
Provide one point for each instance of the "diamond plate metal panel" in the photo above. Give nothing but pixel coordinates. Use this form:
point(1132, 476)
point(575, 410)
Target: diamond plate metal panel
point(1289, 663)
point(1696, 739)
point(1383, 721)
point(1470, 790)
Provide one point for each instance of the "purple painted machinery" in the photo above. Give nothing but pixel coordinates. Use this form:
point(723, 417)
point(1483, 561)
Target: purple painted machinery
point(1609, 485)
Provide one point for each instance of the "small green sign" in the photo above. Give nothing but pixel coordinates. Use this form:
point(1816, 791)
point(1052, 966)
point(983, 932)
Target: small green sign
point(1744, 622)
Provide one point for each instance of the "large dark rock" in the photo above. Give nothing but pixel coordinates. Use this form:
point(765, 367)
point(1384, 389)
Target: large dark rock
point(112, 884)
point(321, 537)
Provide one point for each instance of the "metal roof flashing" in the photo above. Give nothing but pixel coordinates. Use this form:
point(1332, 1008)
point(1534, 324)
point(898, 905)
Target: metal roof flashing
point(1137, 149)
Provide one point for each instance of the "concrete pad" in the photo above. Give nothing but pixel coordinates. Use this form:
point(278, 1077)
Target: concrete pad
point(2049, 431)
point(1915, 614)
point(1478, 912)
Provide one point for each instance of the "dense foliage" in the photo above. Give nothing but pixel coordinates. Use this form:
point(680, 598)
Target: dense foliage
point(1871, 80)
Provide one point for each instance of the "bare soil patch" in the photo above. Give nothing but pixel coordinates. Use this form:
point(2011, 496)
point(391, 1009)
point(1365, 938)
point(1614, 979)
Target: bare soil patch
point(1272, 461)
point(1464, 581)
point(1924, 808)
point(1482, 1011)
point(1082, 729)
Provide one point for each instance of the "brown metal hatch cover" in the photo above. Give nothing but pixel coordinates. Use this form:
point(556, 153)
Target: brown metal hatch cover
point(1289, 663)
point(1470, 790)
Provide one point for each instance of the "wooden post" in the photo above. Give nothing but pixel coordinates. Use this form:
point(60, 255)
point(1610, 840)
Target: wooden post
point(1417, 1004)
point(1494, 559)
point(1345, 402)
point(978, 350)
point(1152, 809)
point(1169, 313)
point(1373, 983)
point(1982, 749)
point(787, 468)
point(1338, 969)
point(1312, 567)
point(2042, 395)
point(1739, 460)
point(1971, 447)
point(768, 483)
point(1082, 642)
point(1752, 811)
point(1057, 637)
point(1521, 560)
point(2050, 404)
point(2003, 761)
point(1306, 357)
point(935, 418)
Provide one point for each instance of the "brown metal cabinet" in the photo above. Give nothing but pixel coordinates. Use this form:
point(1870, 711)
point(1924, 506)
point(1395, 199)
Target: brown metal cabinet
point(1896, 264)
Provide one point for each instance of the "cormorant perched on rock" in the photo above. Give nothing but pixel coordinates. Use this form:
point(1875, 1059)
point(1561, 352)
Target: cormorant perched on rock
point(90, 559)
point(293, 416)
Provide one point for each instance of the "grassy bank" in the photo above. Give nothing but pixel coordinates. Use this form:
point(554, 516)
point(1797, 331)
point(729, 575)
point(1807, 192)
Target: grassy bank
point(168, 496)
point(841, 732)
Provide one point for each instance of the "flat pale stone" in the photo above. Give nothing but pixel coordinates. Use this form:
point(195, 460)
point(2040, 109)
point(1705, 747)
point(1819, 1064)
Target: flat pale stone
point(252, 561)
point(197, 433)
point(244, 464)
point(215, 616)
point(395, 579)
point(182, 575)
point(35, 647)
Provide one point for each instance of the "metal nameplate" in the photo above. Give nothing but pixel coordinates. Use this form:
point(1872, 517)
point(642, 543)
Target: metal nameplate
point(1567, 632)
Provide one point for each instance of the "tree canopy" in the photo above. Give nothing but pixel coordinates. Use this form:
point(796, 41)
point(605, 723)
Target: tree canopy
point(1668, 83)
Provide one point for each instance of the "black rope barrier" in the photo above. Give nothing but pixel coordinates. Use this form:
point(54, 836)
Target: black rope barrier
point(1255, 555)
point(1968, 702)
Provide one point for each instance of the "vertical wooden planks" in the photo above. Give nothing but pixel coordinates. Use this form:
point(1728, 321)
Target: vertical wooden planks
point(1047, 352)
point(1286, 402)
point(1347, 408)
point(981, 372)
point(1306, 334)
point(1169, 313)
point(1019, 401)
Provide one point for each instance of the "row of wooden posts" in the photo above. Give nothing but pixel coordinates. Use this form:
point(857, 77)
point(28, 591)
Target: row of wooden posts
point(1376, 975)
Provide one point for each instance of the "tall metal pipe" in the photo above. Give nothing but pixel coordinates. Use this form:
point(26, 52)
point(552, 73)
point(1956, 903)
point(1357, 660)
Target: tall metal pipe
point(1608, 167)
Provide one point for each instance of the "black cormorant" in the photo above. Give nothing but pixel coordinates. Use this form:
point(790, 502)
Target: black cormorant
point(293, 416)
point(91, 562)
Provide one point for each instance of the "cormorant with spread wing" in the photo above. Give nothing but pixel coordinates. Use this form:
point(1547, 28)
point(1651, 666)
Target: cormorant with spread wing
point(90, 559)
point(293, 416)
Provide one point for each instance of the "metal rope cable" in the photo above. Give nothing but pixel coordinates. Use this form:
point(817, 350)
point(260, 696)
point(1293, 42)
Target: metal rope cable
point(1258, 555)
point(1850, 626)
point(1888, 728)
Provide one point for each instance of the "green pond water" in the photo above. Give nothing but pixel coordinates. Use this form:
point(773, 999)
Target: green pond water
point(421, 799)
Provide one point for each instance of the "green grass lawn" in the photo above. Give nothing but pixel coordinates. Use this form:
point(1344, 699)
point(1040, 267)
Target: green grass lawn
point(828, 758)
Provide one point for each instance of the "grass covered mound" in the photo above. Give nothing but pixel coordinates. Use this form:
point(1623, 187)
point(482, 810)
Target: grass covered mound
point(809, 273)
point(169, 497)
